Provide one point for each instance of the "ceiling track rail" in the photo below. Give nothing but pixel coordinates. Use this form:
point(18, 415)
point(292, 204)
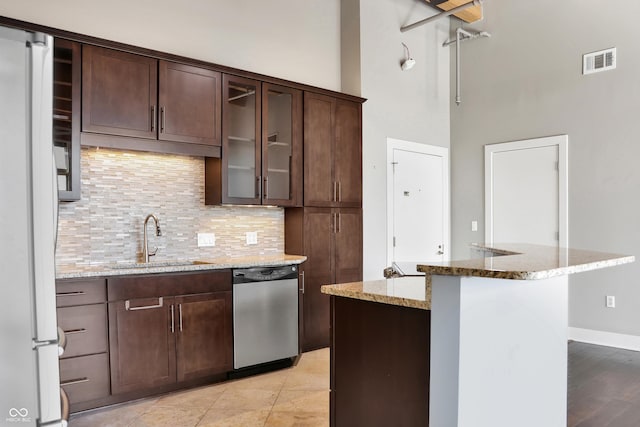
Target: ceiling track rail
point(441, 15)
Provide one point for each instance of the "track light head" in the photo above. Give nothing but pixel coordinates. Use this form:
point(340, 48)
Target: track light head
point(408, 62)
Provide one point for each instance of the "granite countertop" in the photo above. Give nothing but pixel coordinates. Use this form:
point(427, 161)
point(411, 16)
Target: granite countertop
point(122, 269)
point(409, 291)
point(526, 262)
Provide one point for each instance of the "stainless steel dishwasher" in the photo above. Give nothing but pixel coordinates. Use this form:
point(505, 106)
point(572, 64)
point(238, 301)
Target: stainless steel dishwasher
point(265, 315)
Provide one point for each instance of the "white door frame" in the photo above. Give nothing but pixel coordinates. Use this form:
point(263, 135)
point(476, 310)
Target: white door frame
point(562, 142)
point(423, 149)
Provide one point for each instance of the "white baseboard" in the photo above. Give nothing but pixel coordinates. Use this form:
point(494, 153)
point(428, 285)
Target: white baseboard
point(610, 339)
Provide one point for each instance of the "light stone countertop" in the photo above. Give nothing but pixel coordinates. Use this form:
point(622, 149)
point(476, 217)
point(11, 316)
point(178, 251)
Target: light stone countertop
point(173, 266)
point(504, 261)
point(408, 291)
point(526, 262)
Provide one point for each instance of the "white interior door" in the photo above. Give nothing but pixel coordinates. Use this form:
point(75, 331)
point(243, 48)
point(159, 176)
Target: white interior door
point(526, 192)
point(418, 202)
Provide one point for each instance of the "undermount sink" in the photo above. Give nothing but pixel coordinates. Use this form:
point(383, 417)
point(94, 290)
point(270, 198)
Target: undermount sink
point(155, 264)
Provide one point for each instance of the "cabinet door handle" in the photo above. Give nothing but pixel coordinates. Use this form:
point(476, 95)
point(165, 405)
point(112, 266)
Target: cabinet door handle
point(335, 191)
point(75, 381)
point(172, 319)
point(335, 222)
point(339, 191)
point(162, 117)
point(127, 305)
point(70, 294)
point(180, 316)
point(75, 331)
point(153, 118)
point(259, 187)
point(339, 220)
point(302, 277)
point(266, 187)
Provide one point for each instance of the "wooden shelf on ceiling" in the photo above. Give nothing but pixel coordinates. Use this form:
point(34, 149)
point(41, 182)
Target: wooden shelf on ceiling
point(472, 14)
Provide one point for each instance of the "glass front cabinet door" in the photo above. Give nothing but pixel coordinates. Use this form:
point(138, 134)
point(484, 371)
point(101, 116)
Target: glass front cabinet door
point(241, 139)
point(281, 146)
point(261, 151)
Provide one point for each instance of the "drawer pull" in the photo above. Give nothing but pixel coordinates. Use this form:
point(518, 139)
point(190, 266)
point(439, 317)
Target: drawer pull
point(127, 305)
point(75, 381)
point(70, 294)
point(75, 331)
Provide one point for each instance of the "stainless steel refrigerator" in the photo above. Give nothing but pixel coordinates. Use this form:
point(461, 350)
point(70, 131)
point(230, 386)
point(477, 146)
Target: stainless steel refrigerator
point(29, 373)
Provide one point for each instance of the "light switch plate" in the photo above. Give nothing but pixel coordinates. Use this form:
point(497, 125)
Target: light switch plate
point(206, 239)
point(252, 237)
point(611, 301)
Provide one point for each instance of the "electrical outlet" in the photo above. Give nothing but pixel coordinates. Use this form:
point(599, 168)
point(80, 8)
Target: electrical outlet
point(474, 225)
point(611, 301)
point(252, 237)
point(206, 239)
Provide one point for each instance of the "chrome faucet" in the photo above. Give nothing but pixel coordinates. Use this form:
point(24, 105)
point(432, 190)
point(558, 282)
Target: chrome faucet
point(145, 250)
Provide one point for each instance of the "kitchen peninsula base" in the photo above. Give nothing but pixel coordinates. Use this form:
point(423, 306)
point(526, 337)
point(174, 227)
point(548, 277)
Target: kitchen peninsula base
point(368, 385)
point(496, 333)
point(499, 352)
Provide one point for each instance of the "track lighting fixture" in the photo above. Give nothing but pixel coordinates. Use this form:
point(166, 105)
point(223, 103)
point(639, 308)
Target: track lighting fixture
point(408, 62)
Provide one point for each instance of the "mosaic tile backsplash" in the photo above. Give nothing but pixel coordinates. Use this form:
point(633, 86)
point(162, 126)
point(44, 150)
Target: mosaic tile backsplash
point(120, 188)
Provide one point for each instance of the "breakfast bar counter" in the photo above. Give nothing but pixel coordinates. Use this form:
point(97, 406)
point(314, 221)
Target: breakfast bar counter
point(480, 342)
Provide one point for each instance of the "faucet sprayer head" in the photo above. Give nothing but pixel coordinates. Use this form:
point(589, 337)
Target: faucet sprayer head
point(158, 231)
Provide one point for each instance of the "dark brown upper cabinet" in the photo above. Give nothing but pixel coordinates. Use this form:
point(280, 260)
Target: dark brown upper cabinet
point(119, 93)
point(189, 104)
point(332, 152)
point(281, 145)
point(66, 118)
point(139, 97)
point(261, 146)
point(241, 141)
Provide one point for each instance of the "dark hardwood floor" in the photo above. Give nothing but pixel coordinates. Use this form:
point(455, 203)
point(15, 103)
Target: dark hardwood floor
point(604, 386)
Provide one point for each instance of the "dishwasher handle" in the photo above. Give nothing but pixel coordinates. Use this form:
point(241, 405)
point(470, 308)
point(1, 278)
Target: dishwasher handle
point(265, 274)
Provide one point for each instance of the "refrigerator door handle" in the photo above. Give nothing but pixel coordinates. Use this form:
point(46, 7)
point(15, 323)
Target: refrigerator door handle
point(44, 199)
point(39, 344)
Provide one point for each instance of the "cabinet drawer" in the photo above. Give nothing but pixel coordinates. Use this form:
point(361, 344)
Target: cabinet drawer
point(85, 378)
point(80, 291)
point(169, 284)
point(85, 327)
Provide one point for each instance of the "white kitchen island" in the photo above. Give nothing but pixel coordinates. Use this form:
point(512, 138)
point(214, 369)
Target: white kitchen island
point(499, 335)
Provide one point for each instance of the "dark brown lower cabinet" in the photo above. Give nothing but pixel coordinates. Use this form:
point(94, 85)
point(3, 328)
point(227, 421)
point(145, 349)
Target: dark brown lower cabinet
point(85, 378)
point(380, 357)
point(331, 239)
point(142, 343)
point(84, 365)
point(169, 328)
point(203, 338)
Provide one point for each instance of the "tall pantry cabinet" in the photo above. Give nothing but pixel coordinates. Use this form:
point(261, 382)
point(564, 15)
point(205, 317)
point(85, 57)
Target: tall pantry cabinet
point(328, 229)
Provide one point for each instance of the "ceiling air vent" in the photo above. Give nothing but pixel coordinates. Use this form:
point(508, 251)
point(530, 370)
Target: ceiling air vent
point(602, 60)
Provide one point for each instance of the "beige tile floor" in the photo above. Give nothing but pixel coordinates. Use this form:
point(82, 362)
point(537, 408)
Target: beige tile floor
point(297, 396)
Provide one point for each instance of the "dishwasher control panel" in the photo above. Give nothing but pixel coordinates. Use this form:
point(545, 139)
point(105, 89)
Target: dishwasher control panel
point(265, 274)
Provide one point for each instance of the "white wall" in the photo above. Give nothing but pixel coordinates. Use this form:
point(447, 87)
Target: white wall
point(409, 105)
point(525, 82)
point(289, 39)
